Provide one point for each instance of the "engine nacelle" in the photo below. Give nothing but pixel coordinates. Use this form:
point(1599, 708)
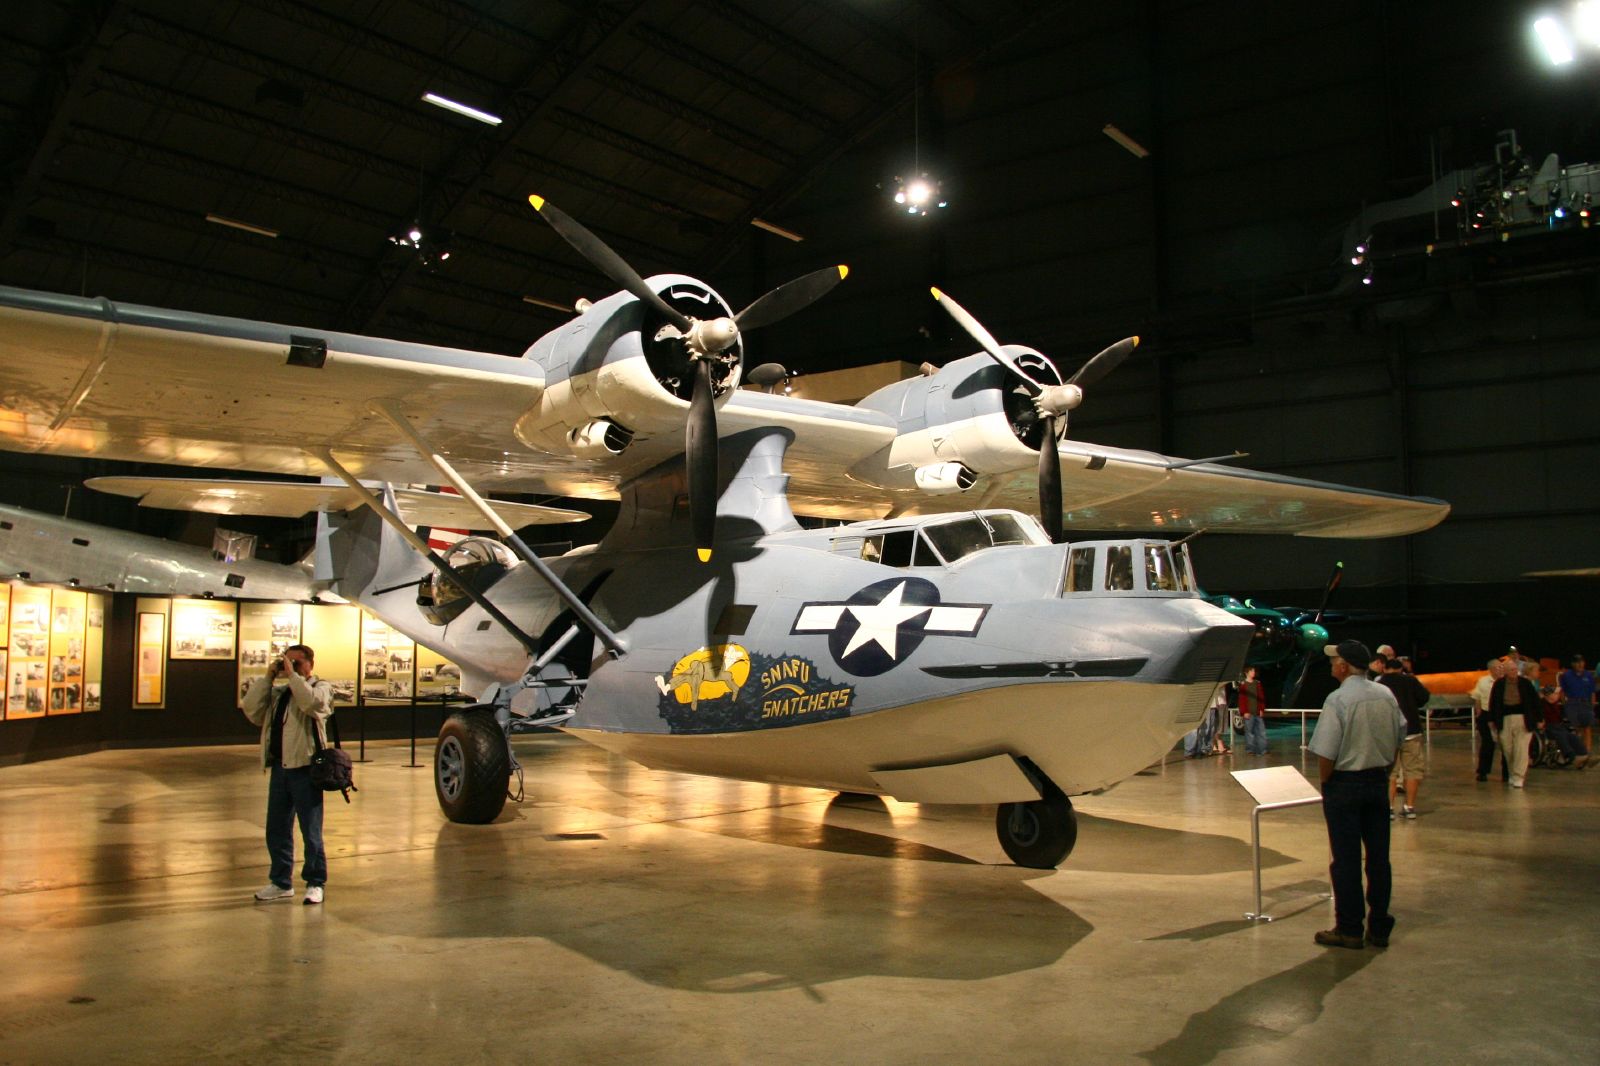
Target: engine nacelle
point(615, 364)
point(971, 413)
point(599, 439)
point(944, 479)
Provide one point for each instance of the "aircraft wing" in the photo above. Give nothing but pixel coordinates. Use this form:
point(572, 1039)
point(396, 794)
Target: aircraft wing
point(1110, 488)
point(88, 377)
point(291, 499)
point(85, 377)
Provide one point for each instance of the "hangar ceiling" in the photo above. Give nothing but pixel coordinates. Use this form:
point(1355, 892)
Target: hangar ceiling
point(667, 126)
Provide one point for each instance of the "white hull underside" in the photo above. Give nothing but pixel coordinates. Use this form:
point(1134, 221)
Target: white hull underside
point(1084, 735)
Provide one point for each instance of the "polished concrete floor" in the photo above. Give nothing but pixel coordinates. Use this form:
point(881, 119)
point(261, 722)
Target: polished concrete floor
point(621, 915)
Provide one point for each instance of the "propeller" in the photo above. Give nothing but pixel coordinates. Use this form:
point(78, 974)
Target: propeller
point(1313, 637)
point(1051, 402)
point(705, 341)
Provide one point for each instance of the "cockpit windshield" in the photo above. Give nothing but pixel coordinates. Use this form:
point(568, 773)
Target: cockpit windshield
point(974, 532)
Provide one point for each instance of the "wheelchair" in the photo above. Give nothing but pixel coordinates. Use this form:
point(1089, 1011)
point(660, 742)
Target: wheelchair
point(1544, 751)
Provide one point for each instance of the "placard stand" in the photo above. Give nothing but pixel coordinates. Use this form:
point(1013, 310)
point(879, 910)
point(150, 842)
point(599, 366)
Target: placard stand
point(1274, 788)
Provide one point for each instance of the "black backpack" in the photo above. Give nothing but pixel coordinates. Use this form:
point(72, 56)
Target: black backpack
point(331, 768)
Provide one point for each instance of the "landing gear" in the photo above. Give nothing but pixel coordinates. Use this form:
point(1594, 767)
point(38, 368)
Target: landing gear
point(471, 767)
point(1040, 834)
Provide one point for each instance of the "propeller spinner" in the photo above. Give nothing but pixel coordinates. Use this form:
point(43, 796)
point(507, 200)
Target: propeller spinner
point(705, 340)
point(1051, 402)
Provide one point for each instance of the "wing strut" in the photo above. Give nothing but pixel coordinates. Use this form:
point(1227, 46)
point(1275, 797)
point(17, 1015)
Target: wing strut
point(324, 456)
point(601, 631)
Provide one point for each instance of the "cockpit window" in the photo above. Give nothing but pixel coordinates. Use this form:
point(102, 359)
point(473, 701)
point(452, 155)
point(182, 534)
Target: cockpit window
point(1159, 575)
point(900, 547)
point(1080, 570)
point(975, 532)
point(1005, 529)
point(1183, 566)
point(479, 562)
point(1119, 568)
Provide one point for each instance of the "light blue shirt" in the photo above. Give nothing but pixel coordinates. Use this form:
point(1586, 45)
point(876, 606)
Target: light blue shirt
point(1360, 727)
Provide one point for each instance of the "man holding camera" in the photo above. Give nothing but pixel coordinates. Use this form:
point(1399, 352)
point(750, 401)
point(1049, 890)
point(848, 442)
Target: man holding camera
point(290, 717)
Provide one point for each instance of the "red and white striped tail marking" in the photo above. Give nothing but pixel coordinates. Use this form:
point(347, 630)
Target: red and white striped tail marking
point(440, 539)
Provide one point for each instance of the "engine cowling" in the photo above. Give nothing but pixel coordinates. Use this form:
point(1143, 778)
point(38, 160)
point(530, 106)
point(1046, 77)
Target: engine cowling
point(616, 364)
point(970, 413)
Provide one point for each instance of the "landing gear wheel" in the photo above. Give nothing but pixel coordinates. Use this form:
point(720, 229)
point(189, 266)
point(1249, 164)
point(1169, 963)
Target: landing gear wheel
point(471, 768)
point(1040, 834)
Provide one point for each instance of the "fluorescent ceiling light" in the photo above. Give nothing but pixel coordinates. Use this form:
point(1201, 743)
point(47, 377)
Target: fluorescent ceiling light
point(461, 109)
point(1556, 45)
point(551, 304)
point(786, 234)
point(1123, 139)
point(248, 227)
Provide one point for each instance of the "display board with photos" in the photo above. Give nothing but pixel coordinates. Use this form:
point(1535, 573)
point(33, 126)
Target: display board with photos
point(204, 629)
point(356, 652)
point(51, 650)
point(266, 630)
point(388, 659)
point(437, 677)
point(150, 652)
point(333, 632)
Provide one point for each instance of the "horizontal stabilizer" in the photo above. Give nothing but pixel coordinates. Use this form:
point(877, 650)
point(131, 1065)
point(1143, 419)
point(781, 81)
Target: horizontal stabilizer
point(291, 499)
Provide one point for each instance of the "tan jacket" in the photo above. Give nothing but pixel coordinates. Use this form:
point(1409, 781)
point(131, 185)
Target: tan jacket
point(312, 701)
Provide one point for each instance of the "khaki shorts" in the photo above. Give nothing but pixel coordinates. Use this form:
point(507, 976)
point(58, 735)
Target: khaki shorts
point(1412, 763)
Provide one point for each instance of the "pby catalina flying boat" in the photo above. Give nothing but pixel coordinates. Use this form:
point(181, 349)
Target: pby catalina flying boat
point(944, 646)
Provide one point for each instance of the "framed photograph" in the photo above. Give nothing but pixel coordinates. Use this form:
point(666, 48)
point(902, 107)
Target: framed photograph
point(204, 629)
point(149, 660)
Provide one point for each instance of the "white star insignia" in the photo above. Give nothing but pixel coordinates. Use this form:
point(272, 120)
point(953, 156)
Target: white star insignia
point(880, 623)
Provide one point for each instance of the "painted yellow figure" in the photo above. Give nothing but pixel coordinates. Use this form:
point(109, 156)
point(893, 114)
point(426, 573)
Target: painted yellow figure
point(708, 674)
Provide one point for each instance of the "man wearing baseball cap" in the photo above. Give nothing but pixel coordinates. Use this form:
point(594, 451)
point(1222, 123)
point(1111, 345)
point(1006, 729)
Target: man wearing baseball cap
point(1358, 735)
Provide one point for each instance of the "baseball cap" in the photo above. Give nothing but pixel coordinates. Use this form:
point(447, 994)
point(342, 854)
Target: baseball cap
point(1351, 651)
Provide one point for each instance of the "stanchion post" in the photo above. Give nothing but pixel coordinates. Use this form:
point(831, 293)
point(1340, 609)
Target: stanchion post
point(413, 764)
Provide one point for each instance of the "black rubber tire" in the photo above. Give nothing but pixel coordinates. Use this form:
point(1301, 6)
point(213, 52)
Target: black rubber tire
point(1039, 835)
point(471, 768)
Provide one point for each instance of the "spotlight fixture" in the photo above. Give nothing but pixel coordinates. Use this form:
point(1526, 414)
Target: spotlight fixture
point(1553, 36)
point(432, 248)
point(919, 195)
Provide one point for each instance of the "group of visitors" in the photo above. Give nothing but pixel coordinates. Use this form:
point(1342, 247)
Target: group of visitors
point(1511, 711)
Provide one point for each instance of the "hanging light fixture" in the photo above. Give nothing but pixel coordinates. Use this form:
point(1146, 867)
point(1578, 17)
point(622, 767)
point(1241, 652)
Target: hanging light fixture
point(920, 192)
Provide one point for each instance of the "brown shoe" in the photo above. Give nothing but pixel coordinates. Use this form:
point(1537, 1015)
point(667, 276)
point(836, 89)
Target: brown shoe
point(1378, 941)
point(1332, 938)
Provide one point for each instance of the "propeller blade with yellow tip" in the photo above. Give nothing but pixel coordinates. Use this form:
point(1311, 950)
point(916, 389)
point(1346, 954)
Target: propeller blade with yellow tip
point(790, 297)
point(608, 262)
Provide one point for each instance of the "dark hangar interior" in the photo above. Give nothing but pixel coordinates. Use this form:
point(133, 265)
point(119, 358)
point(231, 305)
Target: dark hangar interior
point(1454, 359)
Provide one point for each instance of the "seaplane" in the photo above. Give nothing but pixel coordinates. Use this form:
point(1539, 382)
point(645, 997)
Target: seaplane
point(878, 597)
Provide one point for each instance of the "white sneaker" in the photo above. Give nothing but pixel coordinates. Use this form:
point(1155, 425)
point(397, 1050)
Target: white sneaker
point(272, 893)
point(1409, 811)
point(313, 895)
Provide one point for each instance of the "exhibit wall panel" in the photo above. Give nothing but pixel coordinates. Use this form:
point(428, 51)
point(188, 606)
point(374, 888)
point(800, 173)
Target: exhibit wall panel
point(333, 631)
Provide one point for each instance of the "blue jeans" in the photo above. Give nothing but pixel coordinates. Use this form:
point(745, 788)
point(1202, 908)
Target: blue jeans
point(290, 793)
point(1356, 807)
point(1255, 735)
